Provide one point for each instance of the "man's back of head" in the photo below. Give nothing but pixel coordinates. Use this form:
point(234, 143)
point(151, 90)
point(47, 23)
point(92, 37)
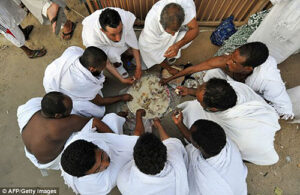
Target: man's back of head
point(208, 137)
point(172, 17)
point(93, 57)
point(56, 105)
point(219, 94)
point(256, 53)
point(110, 18)
point(78, 158)
point(150, 154)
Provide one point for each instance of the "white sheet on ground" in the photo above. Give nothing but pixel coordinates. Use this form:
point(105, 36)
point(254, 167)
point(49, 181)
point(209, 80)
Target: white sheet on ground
point(118, 147)
point(93, 36)
point(67, 75)
point(154, 40)
point(171, 180)
point(224, 173)
point(251, 124)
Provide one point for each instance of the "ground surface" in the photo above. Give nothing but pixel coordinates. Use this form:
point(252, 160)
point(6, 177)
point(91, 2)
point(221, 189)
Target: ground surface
point(21, 79)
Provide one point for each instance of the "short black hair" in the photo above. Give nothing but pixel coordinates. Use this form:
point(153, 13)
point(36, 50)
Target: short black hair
point(93, 57)
point(209, 136)
point(150, 154)
point(256, 53)
point(172, 16)
point(53, 103)
point(109, 17)
point(219, 94)
point(78, 158)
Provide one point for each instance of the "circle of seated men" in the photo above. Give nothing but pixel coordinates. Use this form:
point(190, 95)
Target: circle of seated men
point(228, 122)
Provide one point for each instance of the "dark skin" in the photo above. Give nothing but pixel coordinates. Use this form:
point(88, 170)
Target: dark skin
point(102, 158)
point(102, 101)
point(230, 64)
point(198, 93)
point(162, 133)
point(45, 137)
point(177, 118)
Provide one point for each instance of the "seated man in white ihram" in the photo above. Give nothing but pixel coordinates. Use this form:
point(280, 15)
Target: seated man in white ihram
point(215, 162)
point(252, 65)
point(246, 118)
point(165, 32)
point(111, 29)
point(158, 166)
point(79, 74)
point(91, 161)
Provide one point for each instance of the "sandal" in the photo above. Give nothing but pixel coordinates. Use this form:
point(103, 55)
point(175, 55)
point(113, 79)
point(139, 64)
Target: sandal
point(38, 53)
point(69, 33)
point(59, 19)
point(122, 71)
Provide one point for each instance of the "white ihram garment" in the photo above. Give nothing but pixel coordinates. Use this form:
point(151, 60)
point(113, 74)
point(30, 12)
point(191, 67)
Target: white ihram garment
point(67, 75)
point(118, 147)
point(267, 82)
point(93, 36)
point(172, 180)
point(224, 173)
point(154, 40)
point(251, 124)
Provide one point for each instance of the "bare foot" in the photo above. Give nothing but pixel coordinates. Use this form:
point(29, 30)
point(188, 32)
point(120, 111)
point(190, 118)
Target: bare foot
point(68, 30)
point(52, 13)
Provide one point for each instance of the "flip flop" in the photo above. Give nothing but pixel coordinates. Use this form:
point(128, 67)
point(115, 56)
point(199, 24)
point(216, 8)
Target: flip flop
point(122, 71)
point(59, 19)
point(38, 53)
point(69, 33)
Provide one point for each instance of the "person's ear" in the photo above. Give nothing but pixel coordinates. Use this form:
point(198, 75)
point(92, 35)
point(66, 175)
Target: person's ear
point(58, 115)
point(92, 69)
point(249, 68)
point(213, 109)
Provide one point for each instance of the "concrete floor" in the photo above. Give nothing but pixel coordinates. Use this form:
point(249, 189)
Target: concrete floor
point(21, 79)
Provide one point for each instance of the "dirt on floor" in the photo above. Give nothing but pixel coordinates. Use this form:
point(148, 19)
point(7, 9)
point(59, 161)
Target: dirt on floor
point(21, 79)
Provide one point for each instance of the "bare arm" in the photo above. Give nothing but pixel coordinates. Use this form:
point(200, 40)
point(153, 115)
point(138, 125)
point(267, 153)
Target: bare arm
point(162, 133)
point(114, 72)
point(139, 127)
point(177, 118)
point(101, 126)
point(138, 71)
point(183, 91)
point(190, 35)
point(102, 101)
point(215, 62)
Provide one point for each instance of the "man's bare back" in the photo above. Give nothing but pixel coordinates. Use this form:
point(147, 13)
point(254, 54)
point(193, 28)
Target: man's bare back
point(45, 137)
